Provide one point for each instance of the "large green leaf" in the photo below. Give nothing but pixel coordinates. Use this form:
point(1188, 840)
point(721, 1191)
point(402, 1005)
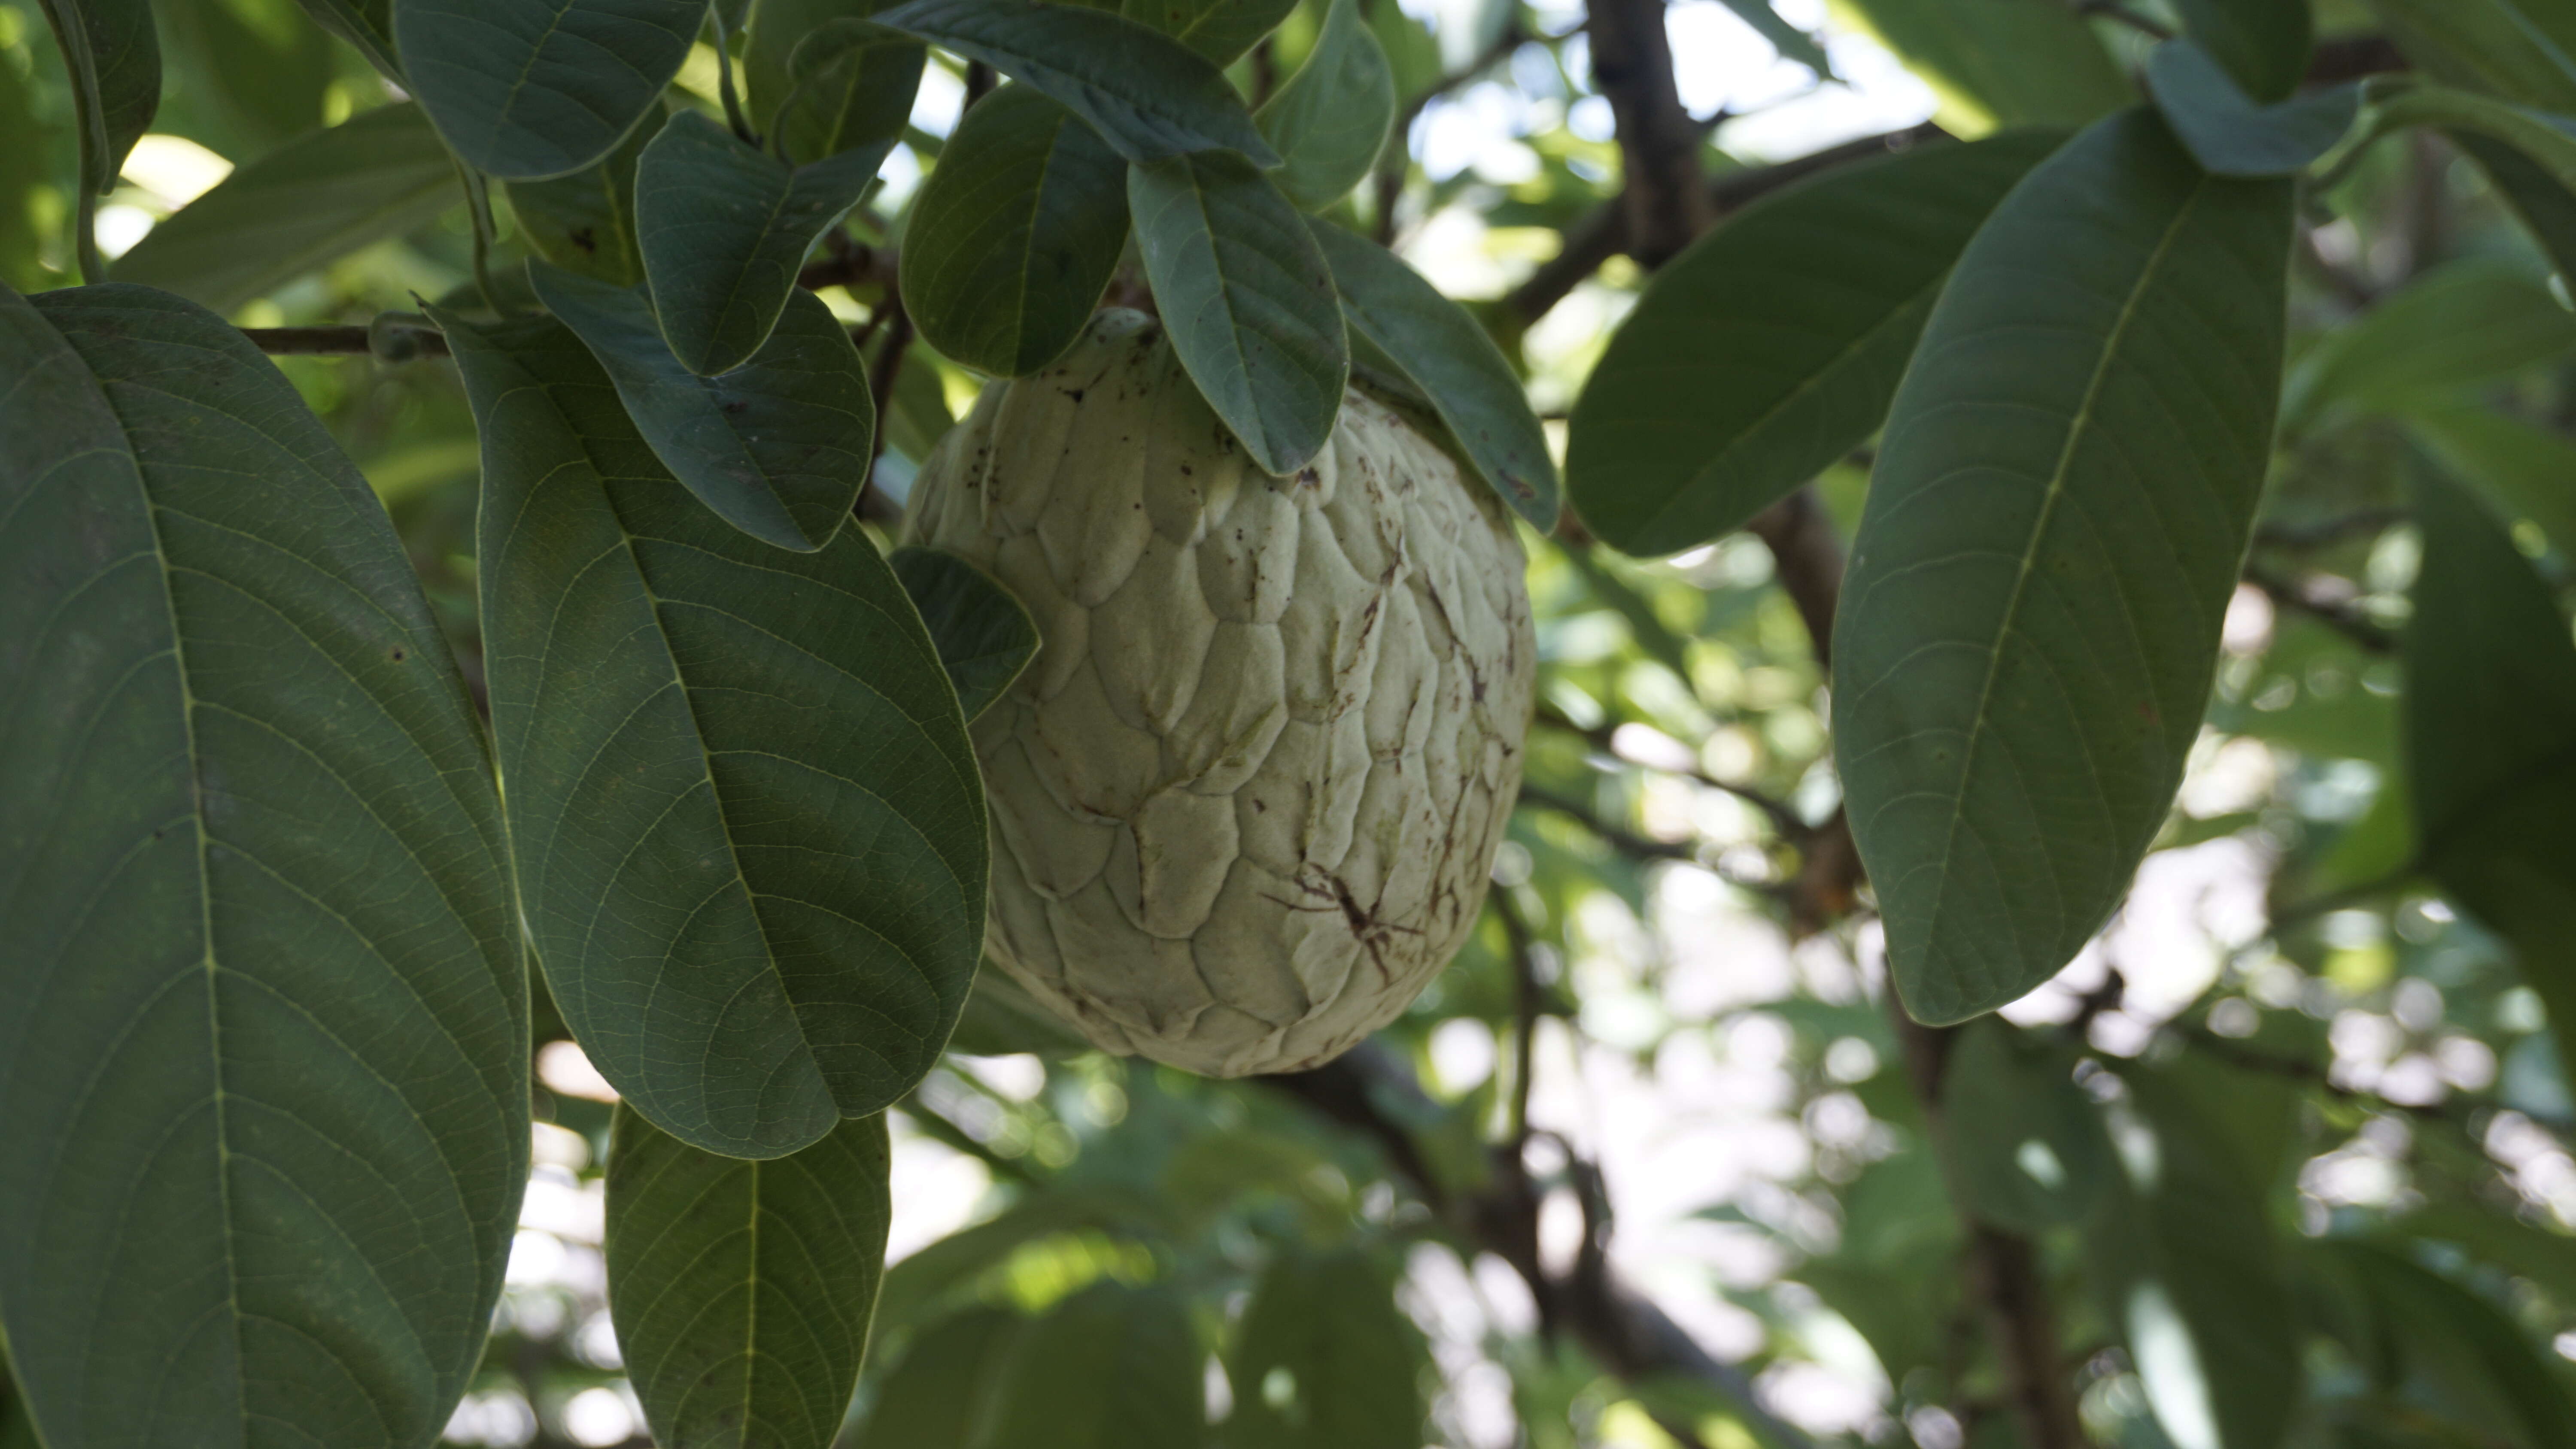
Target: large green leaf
point(525, 89)
point(379, 174)
point(2518, 49)
point(113, 55)
point(985, 637)
point(777, 447)
point(1217, 29)
point(2262, 43)
point(2066, 486)
point(724, 227)
point(2469, 322)
point(1324, 1359)
point(2025, 1144)
point(1331, 119)
point(853, 87)
point(2490, 711)
point(1149, 96)
point(1772, 346)
point(1249, 300)
point(2526, 470)
point(2231, 134)
point(777, 27)
point(2450, 1349)
point(585, 222)
point(941, 1391)
point(2533, 192)
point(1015, 235)
point(368, 25)
point(748, 827)
point(263, 1092)
point(1997, 63)
point(741, 1291)
point(1454, 362)
point(2189, 1273)
point(1111, 1367)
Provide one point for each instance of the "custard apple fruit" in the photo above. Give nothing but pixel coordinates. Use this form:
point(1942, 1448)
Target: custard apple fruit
point(1246, 798)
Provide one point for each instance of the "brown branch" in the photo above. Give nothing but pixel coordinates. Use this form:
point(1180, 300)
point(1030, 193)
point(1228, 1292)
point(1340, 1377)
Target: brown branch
point(1661, 195)
point(1603, 737)
point(2326, 532)
point(874, 506)
point(2329, 603)
point(329, 341)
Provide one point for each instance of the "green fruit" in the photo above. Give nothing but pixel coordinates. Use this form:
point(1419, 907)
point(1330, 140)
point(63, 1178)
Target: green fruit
point(1246, 799)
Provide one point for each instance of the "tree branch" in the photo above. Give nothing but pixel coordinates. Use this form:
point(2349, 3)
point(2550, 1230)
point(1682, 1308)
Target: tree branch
point(2312, 595)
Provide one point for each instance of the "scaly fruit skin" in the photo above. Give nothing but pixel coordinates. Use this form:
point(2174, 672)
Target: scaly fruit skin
point(1246, 799)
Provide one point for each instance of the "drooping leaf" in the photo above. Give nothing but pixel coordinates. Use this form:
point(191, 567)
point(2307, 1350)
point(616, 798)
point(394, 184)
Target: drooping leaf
point(1111, 1367)
point(2525, 470)
point(263, 1101)
point(1772, 346)
point(1997, 63)
point(2263, 44)
point(1324, 1358)
point(1455, 364)
point(1331, 119)
point(2532, 191)
point(724, 227)
point(585, 222)
point(526, 89)
point(2025, 1140)
point(1249, 300)
point(741, 1291)
point(1792, 42)
point(2468, 322)
point(853, 84)
point(1218, 29)
point(2490, 710)
point(2442, 1345)
point(113, 55)
point(776, 28)
point(1149, 96)
point(310, 202)
point(777, 447)
point(2522, 50)
point(985, 637)
point(2231, 134)
point(2031, 621)
point(1015, 235)
point(368, 26)
point(2191, 1276)
point(944, 1271)
point(746, 817)
point(940, 1391)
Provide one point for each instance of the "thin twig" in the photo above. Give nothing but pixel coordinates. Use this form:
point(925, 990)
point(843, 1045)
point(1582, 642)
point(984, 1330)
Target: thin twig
point(1602, 737)
point(2311, 595)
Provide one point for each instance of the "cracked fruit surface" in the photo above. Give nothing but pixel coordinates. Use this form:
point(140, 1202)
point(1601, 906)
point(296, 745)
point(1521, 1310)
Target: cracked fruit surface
point(1246, 798)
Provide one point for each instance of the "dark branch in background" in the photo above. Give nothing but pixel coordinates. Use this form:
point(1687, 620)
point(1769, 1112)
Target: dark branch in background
point(874, 505)
point(2326, 532)
point(329, 341)
point(2326, 598)
point(1602, 737)
point(1661, 197)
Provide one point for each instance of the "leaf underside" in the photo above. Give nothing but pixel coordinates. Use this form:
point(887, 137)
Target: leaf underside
point(526, 89)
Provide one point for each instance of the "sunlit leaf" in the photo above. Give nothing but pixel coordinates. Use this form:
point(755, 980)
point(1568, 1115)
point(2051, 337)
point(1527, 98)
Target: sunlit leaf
point(263, 1092)
point(741, 1291)
point(985, 637)
point(525, 89)
point(2031, 622)
point(1792, 42)
point(2231, 134)
point(748, 826)
point(1148, 95)
point(778, 447)
point(1998, 62)
point(1249, 300)
point(2468, 322)
point(1331, 119)
point(2526, 470)
point(724, 227)
point(308, 203)
point(1771, 347)
point(1015, 235)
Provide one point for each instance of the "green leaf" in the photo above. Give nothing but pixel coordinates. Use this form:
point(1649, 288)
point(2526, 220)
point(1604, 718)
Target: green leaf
point(1015, 235)
point(1324, 1358)
point(944, 1270)
point(114, 59)
point(1331, 119)
point(1792, 42)
point(585, 222)
point(741, 1291)
point(1111, 1367)
point(2263, 44)
point(2532, 191)
point(261, 85)
point(777, 447)
point(2526, 470)
point(2490, 711)
point(2031, 622)
point(2518, 49)
point(2453, 1349)
point(1772, 346)
point(2190, 1275)
point(263, 1091)
point(526, 89)
point(724, 227)
point(1218, 29)
point(1249, 300)
point(854, 83)
point(1455, 363)
point(308, 203)
point(777, 28)
point(2227, 131)
point(1997, 63)
point(2526, 1250)
point(1148, 95)
point(2468, 322)
point(2025, 1140)
point(940, 1391)
point(368, 25)
point(749, 831)
point(985, 637)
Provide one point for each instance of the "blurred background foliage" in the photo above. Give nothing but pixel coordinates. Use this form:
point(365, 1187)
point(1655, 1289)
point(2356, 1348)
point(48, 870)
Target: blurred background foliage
point(2352, 1118)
